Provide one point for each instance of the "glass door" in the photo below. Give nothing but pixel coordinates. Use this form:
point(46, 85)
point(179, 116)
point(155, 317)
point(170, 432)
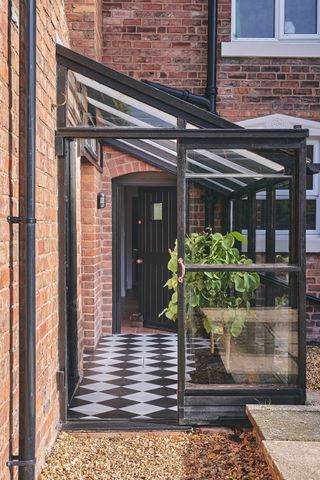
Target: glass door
point(240, 277)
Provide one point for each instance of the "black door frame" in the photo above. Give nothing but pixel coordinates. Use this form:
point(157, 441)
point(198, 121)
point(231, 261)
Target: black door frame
point(71, 272)
point(68, 374)
point(139, 179)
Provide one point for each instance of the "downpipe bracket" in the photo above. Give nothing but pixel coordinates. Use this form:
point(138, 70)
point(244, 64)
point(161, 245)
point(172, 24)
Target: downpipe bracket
point(12, 219)
point(16, 462)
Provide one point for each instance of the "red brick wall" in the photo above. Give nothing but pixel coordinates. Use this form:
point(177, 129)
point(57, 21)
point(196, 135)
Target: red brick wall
point(167, 42)
point(160, 41)
point(313, 288)
point(85, 22)
point(196, 209)
point(91, 255)
point(253, 87)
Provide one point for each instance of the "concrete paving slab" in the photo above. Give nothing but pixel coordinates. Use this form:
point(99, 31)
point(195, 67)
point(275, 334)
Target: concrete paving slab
point(313, 397)
point(293, 460)
point(285, 423)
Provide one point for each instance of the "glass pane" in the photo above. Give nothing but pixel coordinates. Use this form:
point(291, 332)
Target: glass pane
point(156, 211)
point(248, 228)
point(300, 17)
point(232, 161)
point(241, 328)
point(103, 106)
point(311, 214)
point(255, 19)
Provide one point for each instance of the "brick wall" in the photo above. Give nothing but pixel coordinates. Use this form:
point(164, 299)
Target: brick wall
point(91, 255)
point(160, 41)
point(253, 87)
point(196, 209)
point(50, 19)
point(313, 288)
point(167, 42)
point(84, 20)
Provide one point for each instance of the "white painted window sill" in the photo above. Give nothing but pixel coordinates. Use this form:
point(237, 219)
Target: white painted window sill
point(271, 49)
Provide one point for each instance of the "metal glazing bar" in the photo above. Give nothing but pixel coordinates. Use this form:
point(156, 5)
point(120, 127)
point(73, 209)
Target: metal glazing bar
point(266, 136)
point(252, 226)
point(300, 253)
point(253, 267)
point(270, 224)
point(238, 175)
point(181, 233)
point(237, 220)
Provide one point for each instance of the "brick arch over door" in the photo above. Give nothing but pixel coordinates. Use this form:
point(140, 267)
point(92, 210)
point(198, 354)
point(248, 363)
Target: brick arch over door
point(96, 238)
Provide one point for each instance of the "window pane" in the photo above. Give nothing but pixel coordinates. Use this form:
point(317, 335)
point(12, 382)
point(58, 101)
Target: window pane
point(255, 19)
point(300, 17)
point(156, 211)
point(282, 214)
point(311, 214)
point(233, 340)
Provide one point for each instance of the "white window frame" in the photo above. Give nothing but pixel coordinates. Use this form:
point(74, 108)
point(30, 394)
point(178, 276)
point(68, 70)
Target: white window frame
point(279, 34)
point(281, 45)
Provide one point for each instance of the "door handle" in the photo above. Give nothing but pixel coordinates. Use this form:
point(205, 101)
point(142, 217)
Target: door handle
point(183, 270)
point(139, 261)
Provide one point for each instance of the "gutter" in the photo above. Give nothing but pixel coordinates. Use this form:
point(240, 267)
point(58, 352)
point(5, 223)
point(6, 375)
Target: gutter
point(25, 461)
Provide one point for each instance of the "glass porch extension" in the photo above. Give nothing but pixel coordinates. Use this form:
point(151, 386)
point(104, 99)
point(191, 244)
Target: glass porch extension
point(240, 303)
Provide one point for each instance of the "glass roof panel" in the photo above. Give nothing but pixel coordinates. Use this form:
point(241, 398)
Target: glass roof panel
point(236, 169)
point(103, 106)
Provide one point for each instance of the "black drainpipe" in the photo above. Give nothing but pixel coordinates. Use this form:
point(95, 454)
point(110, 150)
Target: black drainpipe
point(209, 101)
point(211, 90)
point(25, 461)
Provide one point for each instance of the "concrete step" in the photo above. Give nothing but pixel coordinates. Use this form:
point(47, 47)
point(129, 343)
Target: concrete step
point(290, 439)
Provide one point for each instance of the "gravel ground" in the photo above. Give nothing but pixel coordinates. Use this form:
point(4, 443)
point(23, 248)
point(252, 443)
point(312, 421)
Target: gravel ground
point(164, 455)
point(313, 367)
point(155, 456)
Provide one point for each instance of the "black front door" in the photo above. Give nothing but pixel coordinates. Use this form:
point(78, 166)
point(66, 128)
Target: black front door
point(157, 232)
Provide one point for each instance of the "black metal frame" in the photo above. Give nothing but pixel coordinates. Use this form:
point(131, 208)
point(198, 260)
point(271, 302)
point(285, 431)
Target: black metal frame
point(214, 132)
point(71, 271)
point(224, 404)
point(251, 139)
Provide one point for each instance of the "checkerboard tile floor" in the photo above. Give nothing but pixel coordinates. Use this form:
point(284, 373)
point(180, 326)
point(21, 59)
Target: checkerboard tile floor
point(130, 376)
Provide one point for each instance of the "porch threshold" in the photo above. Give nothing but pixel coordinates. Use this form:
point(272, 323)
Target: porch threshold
point(125, 425)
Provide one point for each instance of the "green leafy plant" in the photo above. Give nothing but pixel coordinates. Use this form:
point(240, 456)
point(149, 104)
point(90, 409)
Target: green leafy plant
point(232, 292)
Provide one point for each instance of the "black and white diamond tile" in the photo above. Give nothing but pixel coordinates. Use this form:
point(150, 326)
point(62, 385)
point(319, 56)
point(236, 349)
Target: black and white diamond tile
point(129, 376)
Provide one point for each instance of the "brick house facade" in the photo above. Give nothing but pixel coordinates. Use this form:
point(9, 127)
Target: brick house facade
point(163, 42)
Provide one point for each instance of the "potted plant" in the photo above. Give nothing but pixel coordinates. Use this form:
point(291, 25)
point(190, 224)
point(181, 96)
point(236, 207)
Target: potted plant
point(220, 301)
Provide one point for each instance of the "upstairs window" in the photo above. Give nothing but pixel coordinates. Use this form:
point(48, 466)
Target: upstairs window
point(276, 19)
point(255, 19)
